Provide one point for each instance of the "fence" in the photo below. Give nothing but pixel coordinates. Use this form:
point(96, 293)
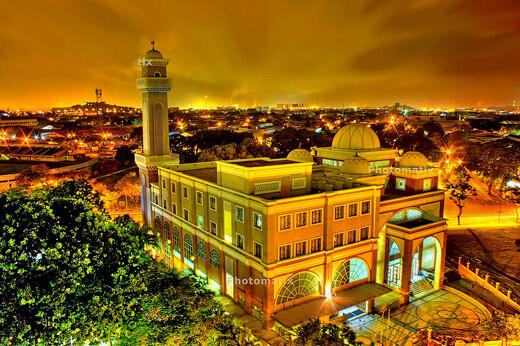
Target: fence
point(471, 272)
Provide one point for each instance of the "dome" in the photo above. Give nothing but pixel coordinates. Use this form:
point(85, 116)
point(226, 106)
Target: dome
point(355, 165)
point(413, 159)
point(153, 54)
point(356, 137)
point(300, 155)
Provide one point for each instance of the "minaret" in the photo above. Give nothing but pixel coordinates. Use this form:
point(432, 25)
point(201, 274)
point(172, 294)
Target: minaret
point(154, 86)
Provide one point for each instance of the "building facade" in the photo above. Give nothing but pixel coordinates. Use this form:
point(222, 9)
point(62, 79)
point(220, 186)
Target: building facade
point(296, 238)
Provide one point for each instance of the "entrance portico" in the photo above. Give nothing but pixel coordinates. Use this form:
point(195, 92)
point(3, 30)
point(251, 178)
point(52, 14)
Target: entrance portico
point(414, 247)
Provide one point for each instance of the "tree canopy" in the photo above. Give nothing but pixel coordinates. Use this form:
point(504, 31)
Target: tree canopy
point(69, 272)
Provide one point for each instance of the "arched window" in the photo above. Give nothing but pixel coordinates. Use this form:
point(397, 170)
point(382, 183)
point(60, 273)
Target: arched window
point(158, 230)
point(176, 239)
point(394, 249)
point(350, 271)
point(157, 74)
point(303, 284)
point(188, 247)
point(166, 231)
point(201, 250)
point(214, 258)
point(167, 242)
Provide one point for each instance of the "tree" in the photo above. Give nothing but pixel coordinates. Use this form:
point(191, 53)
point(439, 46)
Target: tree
point(70, 273)
point(495, 161)
point(31, 175)
point(108, 197)
point(129, 187)
point(512, 195)
point(460, 189)
point(125, 154)
point(247, 149)
point(315, 332)
point(67, 270)
point(291, 138)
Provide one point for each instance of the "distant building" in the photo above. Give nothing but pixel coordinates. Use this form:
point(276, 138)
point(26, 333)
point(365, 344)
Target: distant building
point(291, 106)
point(23, 122)
point(94, 109)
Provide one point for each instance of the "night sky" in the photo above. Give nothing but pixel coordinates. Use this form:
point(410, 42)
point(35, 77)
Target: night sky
point(330, 52)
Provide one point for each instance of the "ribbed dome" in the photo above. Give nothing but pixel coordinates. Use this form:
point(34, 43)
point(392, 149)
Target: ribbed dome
point(413, 159)
point(300, 155)
point(153, 54)
point(355, 165)
point(356, 137)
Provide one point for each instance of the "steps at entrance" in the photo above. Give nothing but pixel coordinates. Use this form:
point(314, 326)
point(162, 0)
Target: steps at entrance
point(420, 286)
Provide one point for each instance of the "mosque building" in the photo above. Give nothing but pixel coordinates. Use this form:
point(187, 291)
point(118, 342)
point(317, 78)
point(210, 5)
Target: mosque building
point(307, 236)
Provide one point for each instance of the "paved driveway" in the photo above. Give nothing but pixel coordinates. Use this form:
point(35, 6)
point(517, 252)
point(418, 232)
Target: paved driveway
point(439, 309)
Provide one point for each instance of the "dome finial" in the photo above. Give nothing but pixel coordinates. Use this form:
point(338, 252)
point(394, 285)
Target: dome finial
point(153, 45)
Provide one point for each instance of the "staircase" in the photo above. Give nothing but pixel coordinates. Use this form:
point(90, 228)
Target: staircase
point(420, 286)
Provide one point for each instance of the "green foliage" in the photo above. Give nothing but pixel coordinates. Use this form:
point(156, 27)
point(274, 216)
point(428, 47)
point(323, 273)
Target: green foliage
point(69, 272)
point(460, 189)
point(315, 332)
point(498, 160)
point(247, 149)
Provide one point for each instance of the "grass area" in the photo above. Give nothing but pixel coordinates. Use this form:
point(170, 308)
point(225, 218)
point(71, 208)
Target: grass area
point(497, 247)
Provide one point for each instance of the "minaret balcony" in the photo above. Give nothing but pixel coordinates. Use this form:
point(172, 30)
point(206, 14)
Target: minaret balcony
point(154, 84)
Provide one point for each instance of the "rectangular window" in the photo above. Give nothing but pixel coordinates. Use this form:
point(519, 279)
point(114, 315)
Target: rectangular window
point(165, 203)
point(240, 214)
point(301, 219)
point(199, 198)
point(316, 216)
point(364, 233)
point(184, 192)
point(400, 184)
point(186, 214)
point(339, 212)
point(200, 221)
point(155, 198)
point(284, 252)
point(427, 184)
point(240, 241)
point(257, 220)
point(300, 248)
point(352, 236)
point(213, 203)
point(352, 209)
point(213, 227)
point(365, 207)
point(284, 222)
point(164, 183)
point(315, 245)
point(173, 187)
point(258, 250)
point(338, 239)
point(174, 208)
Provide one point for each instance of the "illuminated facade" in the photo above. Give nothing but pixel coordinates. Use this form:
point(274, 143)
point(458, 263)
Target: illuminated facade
point(154, 86)
point(290, 240)
point(296, 238)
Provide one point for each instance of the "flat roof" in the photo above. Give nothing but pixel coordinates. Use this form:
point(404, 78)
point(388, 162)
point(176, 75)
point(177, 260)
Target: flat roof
point(262, 163)
point(320, 307)
point(208, 174)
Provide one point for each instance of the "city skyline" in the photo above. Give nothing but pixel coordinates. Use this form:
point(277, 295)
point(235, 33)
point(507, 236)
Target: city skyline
point(429, 54)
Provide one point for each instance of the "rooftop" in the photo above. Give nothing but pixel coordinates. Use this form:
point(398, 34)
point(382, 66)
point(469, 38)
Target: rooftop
point(262, 163)
point(208, 174)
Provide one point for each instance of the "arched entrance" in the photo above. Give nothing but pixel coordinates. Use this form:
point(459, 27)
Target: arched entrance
point(395, 264)
point(426, 266)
